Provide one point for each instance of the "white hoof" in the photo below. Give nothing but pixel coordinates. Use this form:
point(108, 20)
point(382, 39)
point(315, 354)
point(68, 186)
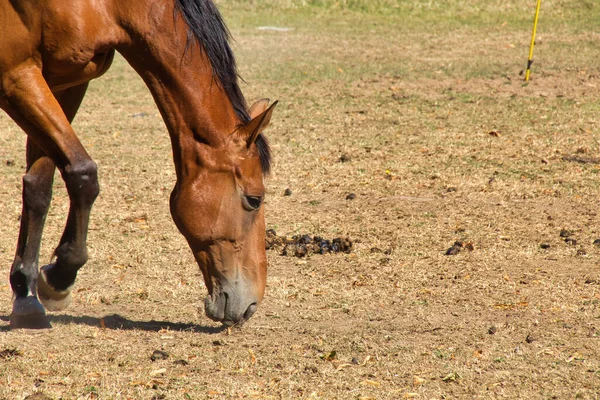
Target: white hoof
point(52, 299)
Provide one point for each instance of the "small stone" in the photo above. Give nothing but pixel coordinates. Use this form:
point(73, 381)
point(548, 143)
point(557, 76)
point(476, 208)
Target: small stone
point(180, 362)
point(452, 251)
point(581, 252)
point(455, 249)
point(287, 192)
point(10, 163)
point(345, 157)
point(350, 196)
point(159, 355)
point(492, 330)
point(529, 338)
point(597, 243)
point(565, 233)
point(544, 246)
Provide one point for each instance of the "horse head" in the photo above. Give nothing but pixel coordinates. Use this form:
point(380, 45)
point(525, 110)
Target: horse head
point(218, 207)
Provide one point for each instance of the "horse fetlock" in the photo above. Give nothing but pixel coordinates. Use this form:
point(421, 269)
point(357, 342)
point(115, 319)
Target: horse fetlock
point(52, 298)
point(70, 258)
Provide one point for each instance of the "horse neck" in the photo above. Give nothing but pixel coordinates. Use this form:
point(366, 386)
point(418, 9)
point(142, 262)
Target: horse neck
point(192, 103)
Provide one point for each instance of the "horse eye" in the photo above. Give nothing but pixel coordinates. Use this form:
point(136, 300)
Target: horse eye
point(252, 203)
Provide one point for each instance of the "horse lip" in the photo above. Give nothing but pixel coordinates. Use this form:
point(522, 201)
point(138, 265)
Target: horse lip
point(212, 310)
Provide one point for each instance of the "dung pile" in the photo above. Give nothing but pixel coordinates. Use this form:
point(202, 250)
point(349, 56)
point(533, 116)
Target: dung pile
point(302, 245)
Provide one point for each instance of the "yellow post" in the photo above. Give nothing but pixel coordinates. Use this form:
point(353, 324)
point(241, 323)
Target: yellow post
point(530, 59)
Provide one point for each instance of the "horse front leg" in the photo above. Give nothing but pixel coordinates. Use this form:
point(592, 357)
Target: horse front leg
point(56, 279)
point(37, 192)
point(48, 126)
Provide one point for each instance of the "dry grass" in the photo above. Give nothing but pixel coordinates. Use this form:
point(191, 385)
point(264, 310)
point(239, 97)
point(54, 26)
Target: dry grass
point(444, 143)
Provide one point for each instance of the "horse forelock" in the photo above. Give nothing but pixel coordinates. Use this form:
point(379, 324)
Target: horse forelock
point(206, 25)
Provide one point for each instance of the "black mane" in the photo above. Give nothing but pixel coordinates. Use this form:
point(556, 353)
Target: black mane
point(206, 25)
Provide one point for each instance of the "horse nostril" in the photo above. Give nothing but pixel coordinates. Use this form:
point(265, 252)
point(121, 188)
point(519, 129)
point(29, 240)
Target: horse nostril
point(250, 311)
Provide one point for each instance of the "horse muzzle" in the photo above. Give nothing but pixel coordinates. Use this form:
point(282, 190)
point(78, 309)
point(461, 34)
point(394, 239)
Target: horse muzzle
point(232, 305)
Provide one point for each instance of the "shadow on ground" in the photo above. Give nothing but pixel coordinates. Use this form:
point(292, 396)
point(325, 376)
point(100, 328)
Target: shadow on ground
point(116, 321)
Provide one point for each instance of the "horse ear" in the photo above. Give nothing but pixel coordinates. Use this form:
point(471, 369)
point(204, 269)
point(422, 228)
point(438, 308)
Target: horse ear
point(259, 107)
point(261, 116)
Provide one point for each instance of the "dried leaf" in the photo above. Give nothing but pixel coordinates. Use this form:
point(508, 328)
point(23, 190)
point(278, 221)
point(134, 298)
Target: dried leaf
point(342, 366)
point(452, 377)
point(417, 380)
point(371, 383)
point(328, 356)
point(157, 372)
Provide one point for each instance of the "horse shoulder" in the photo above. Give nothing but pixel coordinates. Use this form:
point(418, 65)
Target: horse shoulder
point(78, 40)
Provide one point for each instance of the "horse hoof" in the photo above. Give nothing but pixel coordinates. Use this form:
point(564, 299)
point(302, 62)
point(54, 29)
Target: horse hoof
point(52, 299)
point(28, 313)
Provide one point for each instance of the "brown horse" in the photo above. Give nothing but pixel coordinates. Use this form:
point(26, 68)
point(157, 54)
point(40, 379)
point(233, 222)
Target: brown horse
point(49, 51)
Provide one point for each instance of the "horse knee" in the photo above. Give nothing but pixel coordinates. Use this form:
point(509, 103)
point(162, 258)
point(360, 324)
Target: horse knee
point(81, 180)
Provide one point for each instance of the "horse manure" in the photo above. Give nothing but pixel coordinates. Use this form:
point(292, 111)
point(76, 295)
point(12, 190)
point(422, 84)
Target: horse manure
point(305, 239)
point(350, 196)
point(287, 192)
point(10, 163)
point(303, 245)
point(271, 238)
point(342, 244)
point(159, 355)
point(301, 251)
point(181, 362)
point(544, 246)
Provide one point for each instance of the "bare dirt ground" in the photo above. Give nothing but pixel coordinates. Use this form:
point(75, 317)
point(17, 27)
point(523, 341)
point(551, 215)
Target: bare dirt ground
point(425, 119)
